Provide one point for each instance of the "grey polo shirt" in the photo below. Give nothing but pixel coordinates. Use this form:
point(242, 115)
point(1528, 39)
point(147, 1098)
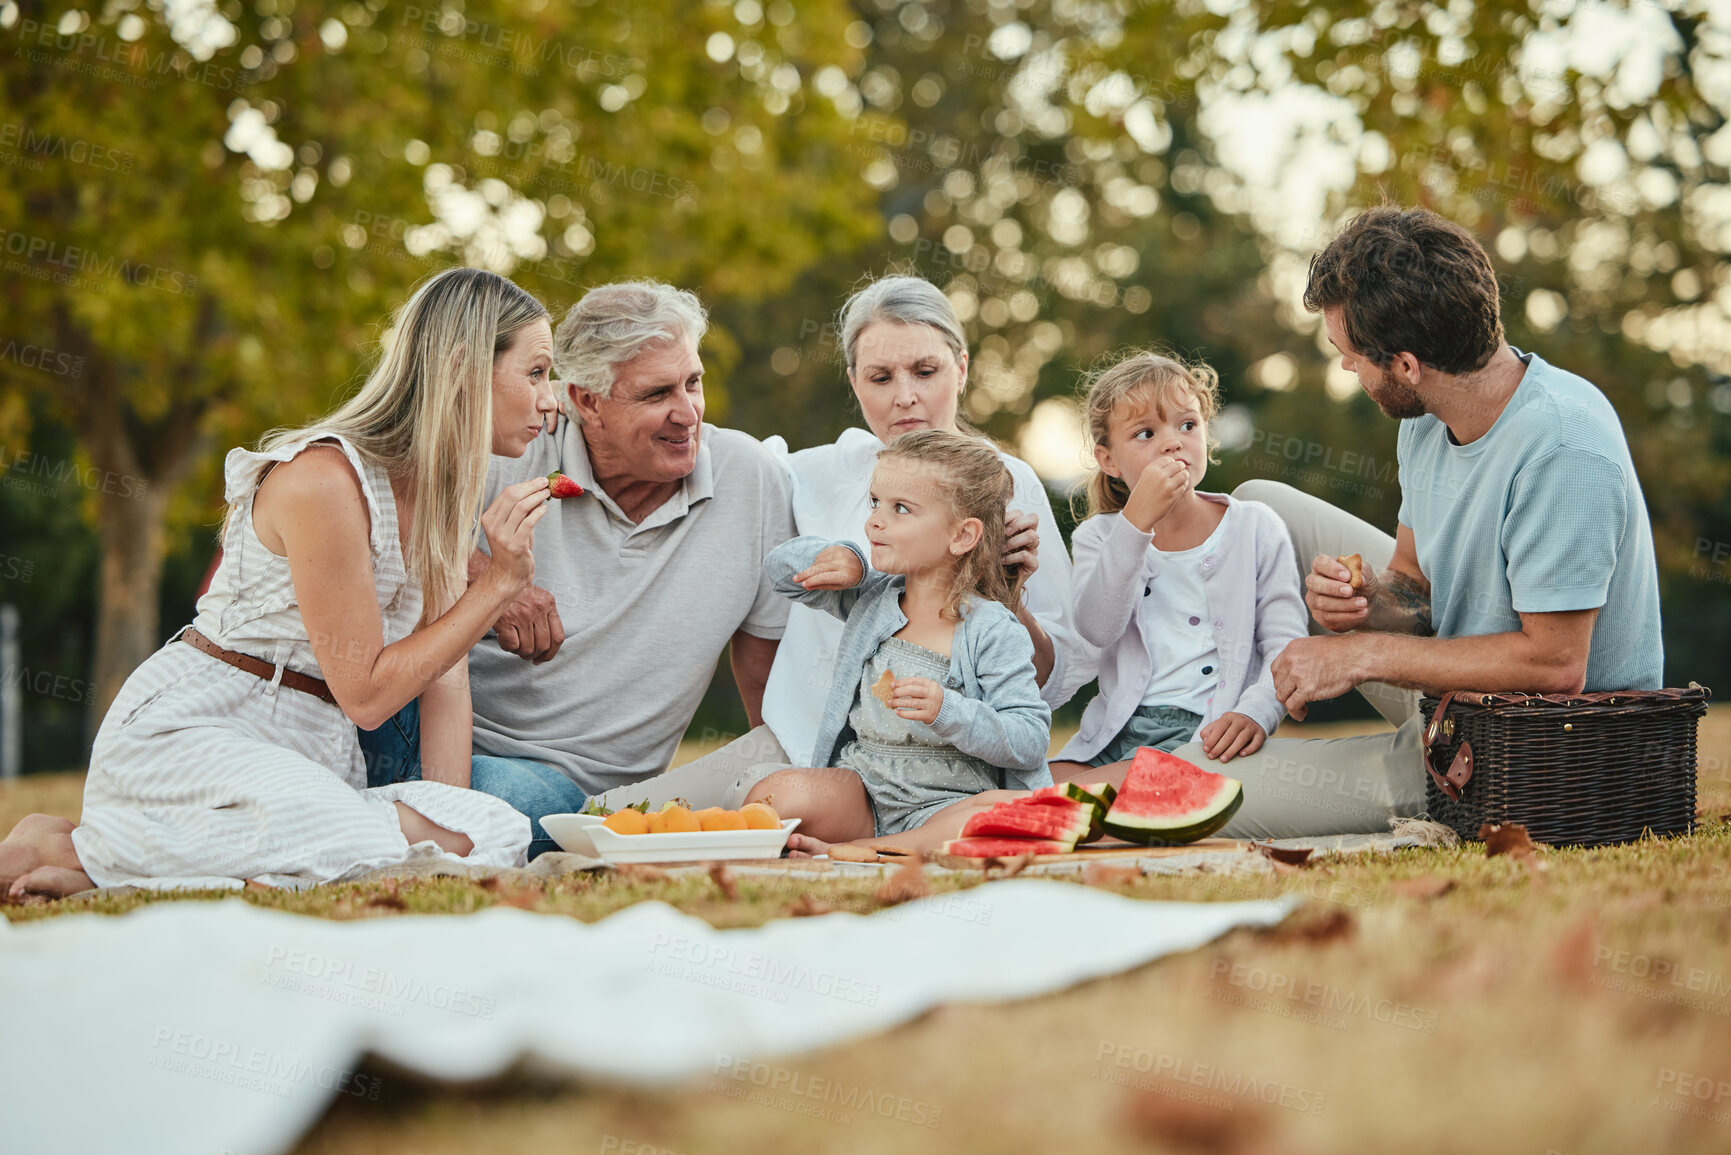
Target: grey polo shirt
point(647, 608)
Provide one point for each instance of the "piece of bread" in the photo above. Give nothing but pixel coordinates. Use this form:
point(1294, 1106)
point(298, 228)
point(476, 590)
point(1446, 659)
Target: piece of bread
point(1355, 563)
point(847, 852)
point(884, 688)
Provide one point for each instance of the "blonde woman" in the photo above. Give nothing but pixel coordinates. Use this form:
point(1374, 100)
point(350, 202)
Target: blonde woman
point(231, 752)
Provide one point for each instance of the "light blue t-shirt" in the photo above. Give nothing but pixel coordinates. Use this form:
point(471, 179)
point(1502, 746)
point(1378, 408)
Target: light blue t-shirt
point(1541, 514)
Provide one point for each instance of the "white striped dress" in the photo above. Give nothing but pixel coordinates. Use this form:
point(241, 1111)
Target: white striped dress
point(202, 770)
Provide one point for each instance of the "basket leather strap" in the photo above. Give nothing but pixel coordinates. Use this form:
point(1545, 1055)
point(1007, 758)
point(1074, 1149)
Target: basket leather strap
point(1440, 730)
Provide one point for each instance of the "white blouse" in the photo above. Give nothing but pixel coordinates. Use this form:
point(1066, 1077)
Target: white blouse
point(831, 499)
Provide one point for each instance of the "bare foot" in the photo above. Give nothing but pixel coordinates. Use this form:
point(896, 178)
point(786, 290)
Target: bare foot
point(805, 846)
point(48, 882)
point(37, 840)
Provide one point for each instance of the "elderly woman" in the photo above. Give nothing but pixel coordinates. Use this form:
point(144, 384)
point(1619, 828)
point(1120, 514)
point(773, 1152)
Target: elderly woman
point(907, 362)
point(231, 753)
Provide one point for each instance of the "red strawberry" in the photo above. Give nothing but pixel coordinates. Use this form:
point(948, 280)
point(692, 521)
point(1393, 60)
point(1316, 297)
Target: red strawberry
point(558, 485)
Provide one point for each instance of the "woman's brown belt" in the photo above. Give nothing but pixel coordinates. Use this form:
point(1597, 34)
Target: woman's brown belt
point(257, 666)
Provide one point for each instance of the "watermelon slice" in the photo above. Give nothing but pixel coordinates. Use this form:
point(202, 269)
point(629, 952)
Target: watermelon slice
point(1095, 794)
point(1166, 799)
point(1019, 820)
point(1003, 847)
point(1096, 797)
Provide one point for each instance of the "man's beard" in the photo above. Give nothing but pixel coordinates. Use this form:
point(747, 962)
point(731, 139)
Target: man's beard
point(1394, 399)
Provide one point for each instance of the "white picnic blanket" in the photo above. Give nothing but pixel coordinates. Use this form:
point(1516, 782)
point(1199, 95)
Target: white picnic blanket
point(194, 1027)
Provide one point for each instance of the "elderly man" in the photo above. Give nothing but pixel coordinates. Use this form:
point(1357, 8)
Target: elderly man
point(590, 678)
point(1523, 558)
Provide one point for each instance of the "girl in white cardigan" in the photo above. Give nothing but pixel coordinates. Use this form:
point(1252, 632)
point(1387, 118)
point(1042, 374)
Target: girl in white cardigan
point(1190, 596)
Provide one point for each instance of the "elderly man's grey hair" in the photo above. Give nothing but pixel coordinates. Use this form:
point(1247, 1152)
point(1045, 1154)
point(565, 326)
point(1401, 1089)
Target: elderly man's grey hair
point(614, 323)
point(908, 300)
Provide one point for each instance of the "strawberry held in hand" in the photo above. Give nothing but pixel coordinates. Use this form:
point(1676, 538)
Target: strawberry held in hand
point(558, 485)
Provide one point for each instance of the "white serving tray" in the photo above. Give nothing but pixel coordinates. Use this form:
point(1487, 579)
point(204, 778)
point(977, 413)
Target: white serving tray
point(585, 834)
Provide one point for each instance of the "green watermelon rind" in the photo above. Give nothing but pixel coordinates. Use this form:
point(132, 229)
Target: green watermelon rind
point(1148, 831)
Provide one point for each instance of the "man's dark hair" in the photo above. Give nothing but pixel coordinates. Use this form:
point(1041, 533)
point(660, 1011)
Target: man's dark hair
point(1409, 281)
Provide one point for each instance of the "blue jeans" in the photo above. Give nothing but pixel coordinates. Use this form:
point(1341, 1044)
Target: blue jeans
point(393, 754)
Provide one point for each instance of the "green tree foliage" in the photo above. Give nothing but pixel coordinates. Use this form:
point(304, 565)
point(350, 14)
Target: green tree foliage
point(207, 213)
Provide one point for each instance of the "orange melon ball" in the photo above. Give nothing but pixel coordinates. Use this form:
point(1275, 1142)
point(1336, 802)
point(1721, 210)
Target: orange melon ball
point(679, 820)
point(627, 822)
point(716, 818)
point(760, 816)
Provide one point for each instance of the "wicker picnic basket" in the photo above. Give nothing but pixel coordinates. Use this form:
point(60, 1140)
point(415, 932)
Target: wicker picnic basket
point(1575, 769)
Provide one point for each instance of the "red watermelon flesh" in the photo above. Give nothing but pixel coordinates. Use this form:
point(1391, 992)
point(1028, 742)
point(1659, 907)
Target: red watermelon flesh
point(1009, 820)
point(1166, 799)
point(1094, 801)
point(1003, 847)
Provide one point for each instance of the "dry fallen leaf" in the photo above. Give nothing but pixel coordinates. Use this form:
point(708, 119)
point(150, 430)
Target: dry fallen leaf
point(1510, 839)
point(1326, 926)
point(723, 879)
point(1183, 1125)
point(1286, 855)
point(848, 852)
point(904, 885)
point(1100, 874)
point(1427, 887)
point(805, 906)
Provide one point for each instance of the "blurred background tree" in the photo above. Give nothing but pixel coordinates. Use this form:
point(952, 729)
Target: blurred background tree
point(1079, 177)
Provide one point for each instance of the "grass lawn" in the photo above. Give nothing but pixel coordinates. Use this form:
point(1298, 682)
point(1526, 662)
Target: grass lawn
point(1576, 1002)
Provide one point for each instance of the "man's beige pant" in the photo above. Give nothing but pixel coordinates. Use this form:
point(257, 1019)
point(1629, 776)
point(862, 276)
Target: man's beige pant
point(1301, 786)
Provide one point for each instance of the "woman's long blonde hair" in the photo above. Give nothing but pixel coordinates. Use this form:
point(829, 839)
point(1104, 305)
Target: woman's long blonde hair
point(974, 483)
point(1143, 373)
point(426, 412)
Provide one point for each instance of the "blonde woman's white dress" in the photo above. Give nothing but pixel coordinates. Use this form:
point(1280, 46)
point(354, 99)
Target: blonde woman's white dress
point(204, 771)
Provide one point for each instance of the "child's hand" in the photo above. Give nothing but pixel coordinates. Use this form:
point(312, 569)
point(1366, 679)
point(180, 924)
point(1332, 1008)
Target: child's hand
point(1163, 482)
point(917, 699)
point(1230, 735)
point(836, 568)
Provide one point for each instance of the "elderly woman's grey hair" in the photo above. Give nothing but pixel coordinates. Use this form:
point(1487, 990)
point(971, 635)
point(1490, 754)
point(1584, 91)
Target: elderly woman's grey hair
point(614, 323)
point(902, 299)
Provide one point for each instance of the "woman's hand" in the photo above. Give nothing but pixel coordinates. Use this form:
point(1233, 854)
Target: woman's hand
point(917, 699)
point(509, 524)
point(1022, 540)
point(836, 568)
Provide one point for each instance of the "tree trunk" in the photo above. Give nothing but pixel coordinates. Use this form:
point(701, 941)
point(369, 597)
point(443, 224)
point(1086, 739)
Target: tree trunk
point(134, 544)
